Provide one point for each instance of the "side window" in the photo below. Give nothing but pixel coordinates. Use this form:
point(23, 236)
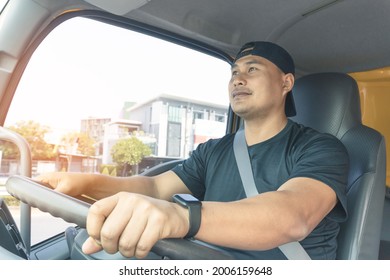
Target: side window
point(92, 92)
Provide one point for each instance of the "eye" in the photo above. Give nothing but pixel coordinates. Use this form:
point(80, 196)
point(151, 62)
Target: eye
point(234, 73)
point(251, 69)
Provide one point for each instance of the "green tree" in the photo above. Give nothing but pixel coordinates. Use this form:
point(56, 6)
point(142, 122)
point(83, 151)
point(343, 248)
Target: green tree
point(34, 133)
point(129, 151)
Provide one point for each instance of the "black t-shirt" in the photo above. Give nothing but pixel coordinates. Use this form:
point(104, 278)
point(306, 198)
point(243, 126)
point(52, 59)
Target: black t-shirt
point(211, 174)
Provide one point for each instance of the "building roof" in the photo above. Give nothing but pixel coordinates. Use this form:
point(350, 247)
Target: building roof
point(124, 122)
point(165, 96)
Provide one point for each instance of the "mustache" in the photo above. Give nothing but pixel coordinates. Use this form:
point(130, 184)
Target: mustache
point(240, 91)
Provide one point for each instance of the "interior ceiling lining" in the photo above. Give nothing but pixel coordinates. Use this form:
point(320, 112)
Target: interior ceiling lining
point(328, 38)
point(231, 24)
point(225, 25)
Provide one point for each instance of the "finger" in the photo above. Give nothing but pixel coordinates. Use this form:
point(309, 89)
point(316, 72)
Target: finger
point(91, 246)
point(45, 179)
point(132, 233)
point(114, 226)
point(149, 237)
point(97, 214)
point(142, 232)
point(65, 184)
point(108, 219)
point(55, 181)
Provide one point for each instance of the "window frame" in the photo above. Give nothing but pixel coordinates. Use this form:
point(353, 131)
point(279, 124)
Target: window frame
point(25, 223)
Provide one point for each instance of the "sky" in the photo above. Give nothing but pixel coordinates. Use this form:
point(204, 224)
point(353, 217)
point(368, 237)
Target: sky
point(86, 69)
point(2, 4)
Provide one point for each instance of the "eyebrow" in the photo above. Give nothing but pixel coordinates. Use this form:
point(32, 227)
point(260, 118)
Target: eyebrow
point(250, 62)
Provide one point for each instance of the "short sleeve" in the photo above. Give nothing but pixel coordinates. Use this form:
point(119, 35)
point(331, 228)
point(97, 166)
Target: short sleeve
point(193, 171)
point(325, 158)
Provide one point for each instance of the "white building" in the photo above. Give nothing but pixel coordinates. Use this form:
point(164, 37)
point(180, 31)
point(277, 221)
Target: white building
point(179, 124)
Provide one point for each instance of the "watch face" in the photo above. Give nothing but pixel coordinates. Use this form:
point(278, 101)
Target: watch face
point(189, 198)
point(186, 199)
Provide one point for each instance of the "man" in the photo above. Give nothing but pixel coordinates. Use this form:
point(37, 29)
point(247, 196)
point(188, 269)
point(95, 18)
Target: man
point(300, 175)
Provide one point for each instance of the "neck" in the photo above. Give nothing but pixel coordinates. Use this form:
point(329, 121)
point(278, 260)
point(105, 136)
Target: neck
point(262, 130)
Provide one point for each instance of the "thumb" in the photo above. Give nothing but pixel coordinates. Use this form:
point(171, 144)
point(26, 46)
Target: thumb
point(91, 246)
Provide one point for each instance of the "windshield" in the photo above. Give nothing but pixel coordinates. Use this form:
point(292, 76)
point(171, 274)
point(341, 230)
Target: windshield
point(90, 86)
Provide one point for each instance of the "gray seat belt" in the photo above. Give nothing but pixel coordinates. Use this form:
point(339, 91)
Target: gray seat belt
point(292, 250)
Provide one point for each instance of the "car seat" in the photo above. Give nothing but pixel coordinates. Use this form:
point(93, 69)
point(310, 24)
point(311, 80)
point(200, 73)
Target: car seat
point(330, 102)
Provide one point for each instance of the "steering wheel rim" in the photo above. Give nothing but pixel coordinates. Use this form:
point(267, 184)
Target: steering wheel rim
point(75, 211)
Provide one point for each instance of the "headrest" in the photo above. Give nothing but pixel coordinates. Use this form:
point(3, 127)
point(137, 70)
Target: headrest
point(327, 102)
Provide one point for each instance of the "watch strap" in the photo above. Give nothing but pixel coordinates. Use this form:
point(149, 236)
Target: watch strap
point(195, 219)
point(194, 207)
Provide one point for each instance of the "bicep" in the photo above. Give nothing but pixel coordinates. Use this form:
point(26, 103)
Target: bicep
point(311, 199)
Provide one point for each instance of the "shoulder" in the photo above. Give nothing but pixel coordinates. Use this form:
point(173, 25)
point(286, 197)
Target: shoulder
point(209, 150)
point(323, 157)
point(212, 145)
point(309, 137)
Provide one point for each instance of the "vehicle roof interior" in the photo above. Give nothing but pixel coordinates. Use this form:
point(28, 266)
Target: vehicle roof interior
point(314, 31)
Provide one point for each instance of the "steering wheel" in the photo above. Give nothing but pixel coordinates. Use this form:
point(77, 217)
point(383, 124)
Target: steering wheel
point(75, 211)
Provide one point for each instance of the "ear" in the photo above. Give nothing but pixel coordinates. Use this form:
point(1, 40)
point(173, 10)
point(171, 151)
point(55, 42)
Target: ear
point(288, 83)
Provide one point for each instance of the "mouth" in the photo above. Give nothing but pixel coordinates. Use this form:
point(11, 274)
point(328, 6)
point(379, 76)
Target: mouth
point(240, 93)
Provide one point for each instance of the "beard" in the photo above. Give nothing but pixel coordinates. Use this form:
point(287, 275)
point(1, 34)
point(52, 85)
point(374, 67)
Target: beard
point(249, 112)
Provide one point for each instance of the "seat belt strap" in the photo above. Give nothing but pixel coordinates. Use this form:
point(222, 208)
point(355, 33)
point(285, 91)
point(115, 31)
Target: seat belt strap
point(292, 250)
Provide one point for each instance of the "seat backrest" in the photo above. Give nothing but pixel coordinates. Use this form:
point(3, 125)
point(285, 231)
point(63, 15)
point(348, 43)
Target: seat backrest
point(330, 102)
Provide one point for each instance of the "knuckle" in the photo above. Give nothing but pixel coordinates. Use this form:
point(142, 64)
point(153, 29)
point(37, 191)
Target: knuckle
point(127, 254)
point(142, 250)
point(126, 248)
point(158, 220)
point(95, 208)
point(107, 235)
point(147, 208)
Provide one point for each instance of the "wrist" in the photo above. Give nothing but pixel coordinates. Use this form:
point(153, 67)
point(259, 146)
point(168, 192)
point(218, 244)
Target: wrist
point(183, 225)
point(193, 207)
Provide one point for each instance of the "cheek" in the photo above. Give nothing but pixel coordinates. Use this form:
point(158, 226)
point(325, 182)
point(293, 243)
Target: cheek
point(230, 87)
point(272, 85)
point(230, 84)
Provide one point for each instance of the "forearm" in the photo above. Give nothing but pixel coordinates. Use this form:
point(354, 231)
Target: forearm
point(162, 186)
point(243, 225)
point(100, 186)
point(269, 219)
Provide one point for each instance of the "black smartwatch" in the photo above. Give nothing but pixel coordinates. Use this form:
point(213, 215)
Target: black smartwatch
point(194, 209)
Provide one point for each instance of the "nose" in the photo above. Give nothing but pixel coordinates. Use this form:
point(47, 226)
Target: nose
point(238, 80)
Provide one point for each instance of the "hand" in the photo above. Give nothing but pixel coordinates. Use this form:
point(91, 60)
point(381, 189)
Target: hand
point(72, 184)
point(132, 223)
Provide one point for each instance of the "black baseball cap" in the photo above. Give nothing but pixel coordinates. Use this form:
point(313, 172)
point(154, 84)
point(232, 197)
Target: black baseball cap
point(278, 56)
